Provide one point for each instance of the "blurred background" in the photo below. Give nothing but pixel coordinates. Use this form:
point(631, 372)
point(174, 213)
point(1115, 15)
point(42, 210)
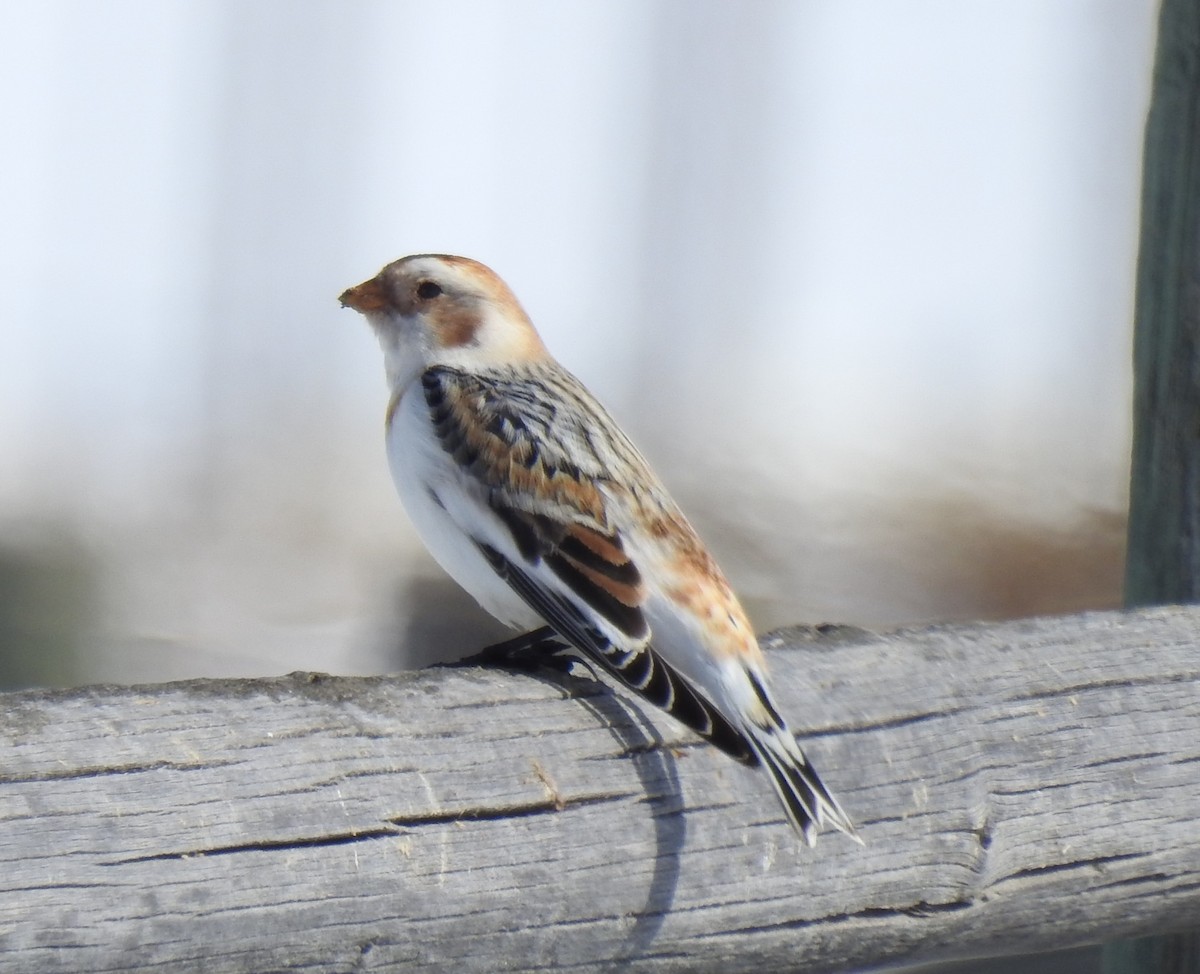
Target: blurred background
point(857, 275)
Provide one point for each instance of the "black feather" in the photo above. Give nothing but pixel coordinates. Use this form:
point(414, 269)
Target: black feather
point(641, 670)
point(628, 618)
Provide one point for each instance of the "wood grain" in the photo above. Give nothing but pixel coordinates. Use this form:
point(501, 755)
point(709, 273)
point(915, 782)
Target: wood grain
point(1020, 786)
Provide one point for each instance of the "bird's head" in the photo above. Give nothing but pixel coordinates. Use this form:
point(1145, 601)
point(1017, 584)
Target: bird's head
point(434, 309)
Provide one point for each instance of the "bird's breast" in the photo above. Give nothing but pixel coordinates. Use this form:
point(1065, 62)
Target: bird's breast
point(447, 510)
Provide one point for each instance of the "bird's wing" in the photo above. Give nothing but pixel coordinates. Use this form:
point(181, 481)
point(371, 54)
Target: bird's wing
point(539, 453)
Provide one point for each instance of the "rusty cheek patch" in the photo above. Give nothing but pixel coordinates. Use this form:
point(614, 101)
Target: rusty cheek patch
point(456, 325)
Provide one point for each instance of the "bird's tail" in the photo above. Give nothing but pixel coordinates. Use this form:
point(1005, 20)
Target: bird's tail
point(808, 803)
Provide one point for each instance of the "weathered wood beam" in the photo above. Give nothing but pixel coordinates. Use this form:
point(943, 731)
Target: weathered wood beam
point(1020, 786)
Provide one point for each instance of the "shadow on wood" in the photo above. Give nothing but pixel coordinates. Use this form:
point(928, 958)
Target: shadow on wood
point(1021, 786)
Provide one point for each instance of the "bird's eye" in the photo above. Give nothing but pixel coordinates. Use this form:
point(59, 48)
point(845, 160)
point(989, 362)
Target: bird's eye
point(427, 290)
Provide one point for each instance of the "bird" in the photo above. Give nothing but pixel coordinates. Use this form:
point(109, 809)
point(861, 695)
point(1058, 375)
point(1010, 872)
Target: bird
point(531, 497)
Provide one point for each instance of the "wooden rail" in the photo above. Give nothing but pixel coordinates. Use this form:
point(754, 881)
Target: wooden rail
point(1020, 786)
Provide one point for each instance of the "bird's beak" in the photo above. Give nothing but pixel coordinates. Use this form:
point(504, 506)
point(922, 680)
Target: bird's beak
point(369, 296)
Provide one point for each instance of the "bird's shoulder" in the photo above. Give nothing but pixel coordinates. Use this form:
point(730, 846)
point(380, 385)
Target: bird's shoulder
point(533, 431)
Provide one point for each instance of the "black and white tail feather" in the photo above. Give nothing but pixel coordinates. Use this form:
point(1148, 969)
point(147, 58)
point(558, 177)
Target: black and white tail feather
point(805, 799)
point(808, 804)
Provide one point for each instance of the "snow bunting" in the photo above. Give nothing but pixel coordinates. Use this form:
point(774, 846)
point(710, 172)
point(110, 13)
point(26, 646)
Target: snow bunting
point(532, 498)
